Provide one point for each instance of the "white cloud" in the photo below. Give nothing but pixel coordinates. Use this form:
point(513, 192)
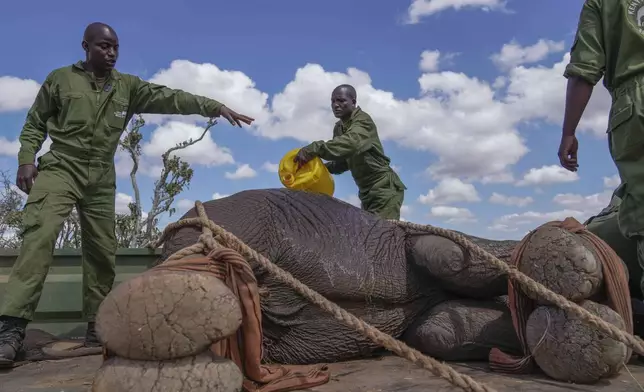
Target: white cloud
point(429, 60)
point(450, 190)
point(587, 204)
point(452, 214)
point(533, 218)
point(17, 94)
point(122, 202)
point(270, 167)
point(547, 175)
point(422, 8)
point(574, 205)
point(497, 198)
point(612, 181)
point(460, 119)
point(503, 177)
point(457, 118)
point(242, 172)
point(538, 93)
point(513, 54)
point(10, 148)
point(232, 88)
point(405, 212)
point(218, 195)
point(205, 152)
point(185, 204)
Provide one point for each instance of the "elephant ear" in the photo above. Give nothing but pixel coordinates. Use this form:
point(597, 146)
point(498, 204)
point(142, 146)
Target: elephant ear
point(457, 272)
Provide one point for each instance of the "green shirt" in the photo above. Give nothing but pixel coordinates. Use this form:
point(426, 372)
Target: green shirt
point(355, 146)
point(609, 42)
point(86, 120)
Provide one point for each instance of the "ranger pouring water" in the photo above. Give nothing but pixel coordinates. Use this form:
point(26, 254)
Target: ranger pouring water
point(84, 108)
point(356, 147)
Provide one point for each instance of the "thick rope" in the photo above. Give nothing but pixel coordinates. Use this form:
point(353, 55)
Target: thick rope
point(532, 286)
point(214, 236)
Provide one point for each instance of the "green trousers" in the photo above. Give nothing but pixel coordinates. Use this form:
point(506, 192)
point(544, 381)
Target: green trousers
point(62, 183)
point(385, 198)
point(605, 225)
point(626, 141)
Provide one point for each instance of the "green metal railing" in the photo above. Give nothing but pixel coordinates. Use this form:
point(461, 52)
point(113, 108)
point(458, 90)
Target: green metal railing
point(60, 309)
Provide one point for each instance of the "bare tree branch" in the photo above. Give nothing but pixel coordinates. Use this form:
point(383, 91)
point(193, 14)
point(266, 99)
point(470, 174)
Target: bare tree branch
point(165, 190)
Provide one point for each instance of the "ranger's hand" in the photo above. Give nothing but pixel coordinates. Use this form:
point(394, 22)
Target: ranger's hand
point(235, 117)
point(302, 157)
point(26, 176)
point(568, 153)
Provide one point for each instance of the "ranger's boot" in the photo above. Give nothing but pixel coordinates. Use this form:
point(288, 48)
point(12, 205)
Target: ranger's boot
point(12, 336)
point(91, 338)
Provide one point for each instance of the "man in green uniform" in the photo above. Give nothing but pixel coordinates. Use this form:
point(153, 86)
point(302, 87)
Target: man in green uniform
point(356, 146)
point(84, 108)
point(610, 43)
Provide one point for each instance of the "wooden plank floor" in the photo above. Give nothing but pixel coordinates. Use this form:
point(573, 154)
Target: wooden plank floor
point(386, 374)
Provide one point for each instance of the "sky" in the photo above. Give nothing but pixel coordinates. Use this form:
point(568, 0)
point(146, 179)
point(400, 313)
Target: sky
point(468, 97)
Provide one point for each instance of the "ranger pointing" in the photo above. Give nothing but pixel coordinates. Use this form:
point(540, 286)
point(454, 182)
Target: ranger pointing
point(84, 108)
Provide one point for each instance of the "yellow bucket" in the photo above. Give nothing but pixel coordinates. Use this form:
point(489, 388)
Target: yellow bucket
point(312, 177)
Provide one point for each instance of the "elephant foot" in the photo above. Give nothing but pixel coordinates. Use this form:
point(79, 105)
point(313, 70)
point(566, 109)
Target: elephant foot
point(201, 373)
point(162, 315)
point(568, 349)
point(564, 262)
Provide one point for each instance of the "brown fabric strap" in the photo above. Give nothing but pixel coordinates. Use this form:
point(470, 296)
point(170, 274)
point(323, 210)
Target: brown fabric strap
point(521, 306)
point(245, 347)
point(615, 278)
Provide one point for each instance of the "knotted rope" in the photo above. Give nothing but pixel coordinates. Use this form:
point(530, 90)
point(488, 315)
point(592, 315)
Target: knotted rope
point(533, 287)
point(214, 236)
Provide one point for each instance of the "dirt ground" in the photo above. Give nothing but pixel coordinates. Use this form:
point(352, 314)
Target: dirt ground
point(386, 374)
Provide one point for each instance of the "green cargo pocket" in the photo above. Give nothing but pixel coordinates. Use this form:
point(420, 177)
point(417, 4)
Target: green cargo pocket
point(32, 212)
point(626, 140)
point(74, 109)
point(116, 114)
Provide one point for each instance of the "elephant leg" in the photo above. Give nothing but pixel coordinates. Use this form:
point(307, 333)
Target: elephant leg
point(310, 335)
point(464, 330)
point(456, 270)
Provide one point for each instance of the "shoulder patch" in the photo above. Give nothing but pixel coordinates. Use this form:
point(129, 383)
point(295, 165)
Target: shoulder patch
point(636, 14)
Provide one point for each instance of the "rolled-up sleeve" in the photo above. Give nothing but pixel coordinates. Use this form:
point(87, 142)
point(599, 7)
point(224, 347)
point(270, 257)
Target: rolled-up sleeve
point(587, 59)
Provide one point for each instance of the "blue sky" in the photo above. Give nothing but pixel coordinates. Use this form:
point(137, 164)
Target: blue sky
point(472, 125)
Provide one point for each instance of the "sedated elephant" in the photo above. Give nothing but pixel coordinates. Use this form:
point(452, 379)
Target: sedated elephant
point(417, 287)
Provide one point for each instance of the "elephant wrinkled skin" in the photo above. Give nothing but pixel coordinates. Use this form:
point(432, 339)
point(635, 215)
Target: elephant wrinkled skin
point(384, 274)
